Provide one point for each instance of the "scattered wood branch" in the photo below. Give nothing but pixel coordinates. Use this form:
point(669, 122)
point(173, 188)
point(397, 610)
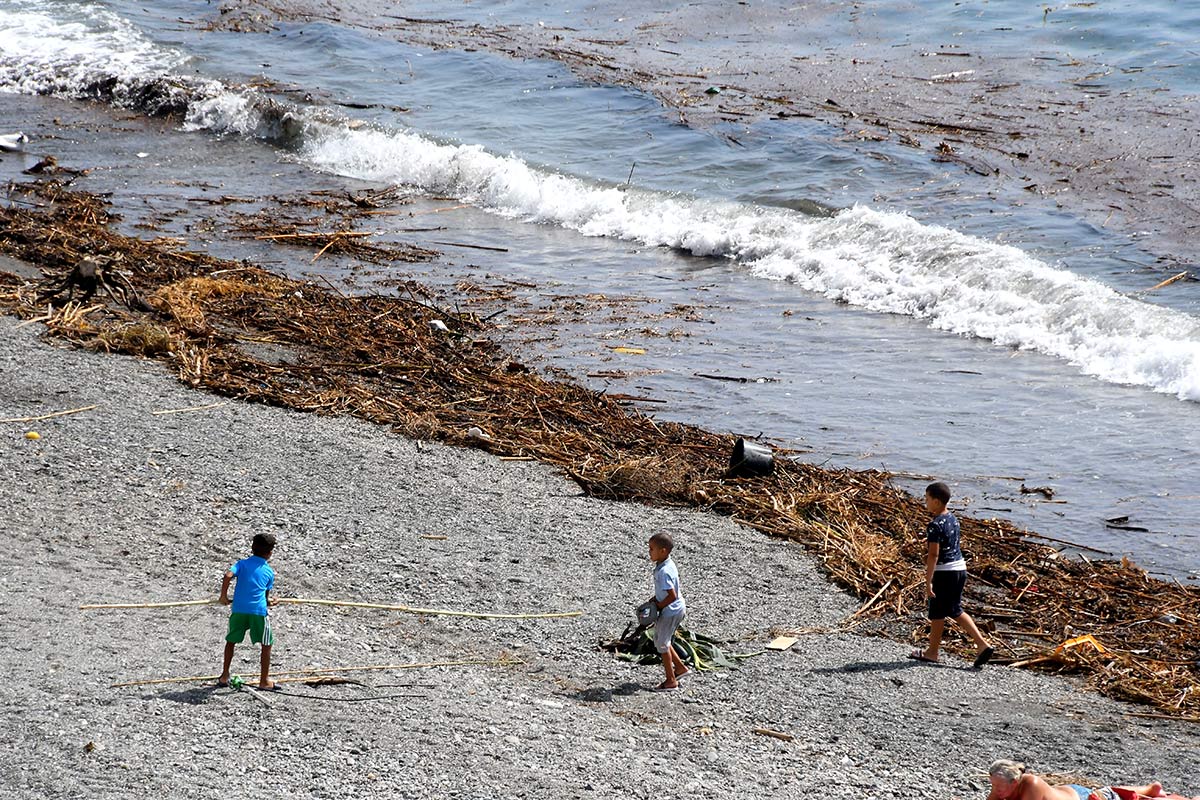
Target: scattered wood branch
point(54, 415)
point(780, 735)
point(1169, 281)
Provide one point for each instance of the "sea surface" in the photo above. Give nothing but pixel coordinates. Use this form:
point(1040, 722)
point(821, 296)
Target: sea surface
point(888, 311)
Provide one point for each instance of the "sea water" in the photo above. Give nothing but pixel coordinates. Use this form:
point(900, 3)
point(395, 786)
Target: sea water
point(940, 331)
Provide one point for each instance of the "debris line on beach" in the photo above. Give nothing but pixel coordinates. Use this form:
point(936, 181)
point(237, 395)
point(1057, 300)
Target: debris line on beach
point(242, 332)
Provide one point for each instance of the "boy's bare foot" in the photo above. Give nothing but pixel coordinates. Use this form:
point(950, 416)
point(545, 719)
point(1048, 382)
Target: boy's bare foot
point(666, 687)
point(223, 680)
point(269, 686)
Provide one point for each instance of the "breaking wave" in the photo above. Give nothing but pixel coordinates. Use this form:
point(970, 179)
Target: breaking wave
point(882, 261)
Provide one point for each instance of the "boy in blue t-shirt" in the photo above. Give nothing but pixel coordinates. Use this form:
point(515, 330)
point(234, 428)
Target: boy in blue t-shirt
point(945, 577)
point(668, 597)
point(251, 599)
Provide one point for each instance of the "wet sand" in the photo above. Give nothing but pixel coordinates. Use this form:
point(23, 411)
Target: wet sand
point(1124, 160)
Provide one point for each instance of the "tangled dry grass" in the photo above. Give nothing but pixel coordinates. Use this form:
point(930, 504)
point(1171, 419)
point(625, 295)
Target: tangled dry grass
point(241, 331)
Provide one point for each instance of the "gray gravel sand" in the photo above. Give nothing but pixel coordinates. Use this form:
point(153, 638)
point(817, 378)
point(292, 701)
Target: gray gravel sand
point(119, 504)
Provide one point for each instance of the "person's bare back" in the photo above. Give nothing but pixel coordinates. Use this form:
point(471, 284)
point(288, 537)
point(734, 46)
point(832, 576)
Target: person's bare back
point(1031, 787)
point(1010, 781)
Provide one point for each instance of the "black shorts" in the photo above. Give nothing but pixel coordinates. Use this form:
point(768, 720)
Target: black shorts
point(947, 594)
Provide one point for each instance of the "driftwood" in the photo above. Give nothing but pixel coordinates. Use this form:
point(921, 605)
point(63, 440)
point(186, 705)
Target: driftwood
point(1169, 281)
point(864, 531)
point(53, 415)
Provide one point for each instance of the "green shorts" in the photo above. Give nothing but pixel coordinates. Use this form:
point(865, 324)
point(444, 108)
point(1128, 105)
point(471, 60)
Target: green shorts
point(259, 627)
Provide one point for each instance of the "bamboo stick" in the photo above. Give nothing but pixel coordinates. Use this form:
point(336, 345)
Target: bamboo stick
point(429, 611)
point(1168, 281)
point(49, 416)
point(346, 604)
point(316, 671)
point(171, 604)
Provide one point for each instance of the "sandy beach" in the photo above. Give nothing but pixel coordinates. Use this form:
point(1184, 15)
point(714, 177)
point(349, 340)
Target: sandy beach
point(120, 504)
point(120, 484)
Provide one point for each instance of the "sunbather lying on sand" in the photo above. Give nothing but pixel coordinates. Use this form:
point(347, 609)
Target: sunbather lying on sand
point(1010, 781)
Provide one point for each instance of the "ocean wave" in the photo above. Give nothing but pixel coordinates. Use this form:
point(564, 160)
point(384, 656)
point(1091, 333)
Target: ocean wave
point(95, 55)
point(877, 260)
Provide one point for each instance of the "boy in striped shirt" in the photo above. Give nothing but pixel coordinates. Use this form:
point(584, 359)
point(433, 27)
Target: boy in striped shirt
point(945, 577)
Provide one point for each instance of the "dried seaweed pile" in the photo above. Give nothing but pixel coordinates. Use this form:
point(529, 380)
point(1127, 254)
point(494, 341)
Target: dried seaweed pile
point(243, 332)
point(298, 231)
point(698, 651)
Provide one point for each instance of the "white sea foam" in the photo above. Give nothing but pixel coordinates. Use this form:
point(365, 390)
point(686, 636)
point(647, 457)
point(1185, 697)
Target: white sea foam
point(41, 52)
point(881, 261)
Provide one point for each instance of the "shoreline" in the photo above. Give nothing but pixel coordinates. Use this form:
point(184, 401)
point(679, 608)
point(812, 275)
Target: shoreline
point(156, 485)
point(261, 337)
point(189, 168)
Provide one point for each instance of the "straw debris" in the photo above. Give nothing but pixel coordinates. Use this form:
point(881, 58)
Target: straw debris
point(1130, 635)
point(137, 338)
point(294, 230)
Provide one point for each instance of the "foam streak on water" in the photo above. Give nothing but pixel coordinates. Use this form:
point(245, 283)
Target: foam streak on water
point(881, 261)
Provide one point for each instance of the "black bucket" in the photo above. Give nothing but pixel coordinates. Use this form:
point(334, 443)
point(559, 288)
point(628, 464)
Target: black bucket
point(750, 460)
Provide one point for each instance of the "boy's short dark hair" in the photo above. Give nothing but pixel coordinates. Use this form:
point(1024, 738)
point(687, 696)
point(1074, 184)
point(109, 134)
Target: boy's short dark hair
point(938, 491)
point(263, 544)
point(663, 540)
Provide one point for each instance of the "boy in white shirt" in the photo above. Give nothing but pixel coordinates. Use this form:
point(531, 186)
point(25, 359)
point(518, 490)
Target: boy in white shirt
point(668, 597)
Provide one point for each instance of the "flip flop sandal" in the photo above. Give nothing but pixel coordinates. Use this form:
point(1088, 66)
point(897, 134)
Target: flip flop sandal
point(985, 655)
point(917, 655)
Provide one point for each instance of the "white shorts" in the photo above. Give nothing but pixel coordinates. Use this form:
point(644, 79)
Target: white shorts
point(664, 630)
